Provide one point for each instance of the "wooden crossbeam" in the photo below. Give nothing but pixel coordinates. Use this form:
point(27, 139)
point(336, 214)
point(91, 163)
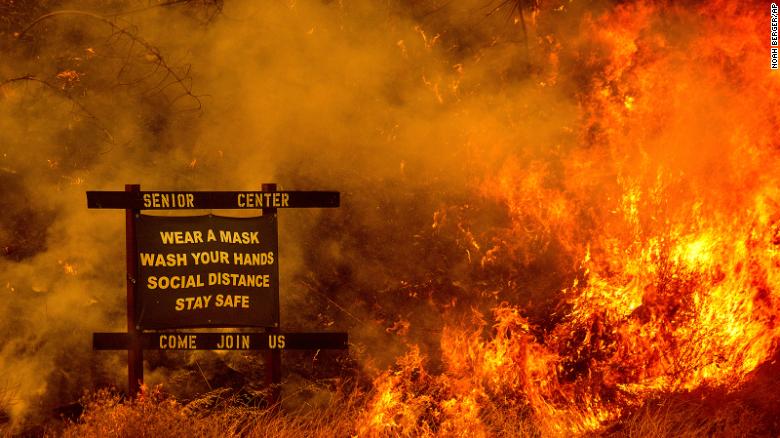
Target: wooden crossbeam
point(136, 340)
point(222, 341)
point(178, 200)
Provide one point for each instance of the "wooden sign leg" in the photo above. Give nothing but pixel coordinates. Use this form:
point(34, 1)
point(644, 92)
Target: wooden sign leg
point(135, 354)
point(272, 358)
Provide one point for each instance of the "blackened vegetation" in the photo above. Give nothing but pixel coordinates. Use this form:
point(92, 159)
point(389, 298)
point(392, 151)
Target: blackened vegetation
point(134, 60)
point(15, 14)
point(81, 55)
point(70, 72)
point(23, 227)
point(204, 11)
point(401, 260)
point(77, 55)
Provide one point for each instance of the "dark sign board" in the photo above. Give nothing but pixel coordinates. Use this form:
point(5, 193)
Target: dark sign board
point(223, 341)
point(211, 200)
point(207, 271)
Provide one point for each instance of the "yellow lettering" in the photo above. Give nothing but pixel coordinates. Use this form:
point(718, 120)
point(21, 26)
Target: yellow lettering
point(146, 259)
point(174, 282)
point(166, 260)
point(234, 301)
point(254, 259)
point(276, 342)
point(181, 237)
point(167, 237)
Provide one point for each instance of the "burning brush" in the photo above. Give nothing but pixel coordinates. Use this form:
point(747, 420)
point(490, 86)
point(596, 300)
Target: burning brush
point(667, 208)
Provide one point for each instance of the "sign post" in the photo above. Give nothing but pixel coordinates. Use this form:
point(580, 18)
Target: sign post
point(273, 358)
point(206, 271)
point(135, 354)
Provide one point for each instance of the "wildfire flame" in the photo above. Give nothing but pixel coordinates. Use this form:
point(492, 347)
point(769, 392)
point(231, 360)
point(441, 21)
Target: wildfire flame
point(602, 180)
point(673, 222)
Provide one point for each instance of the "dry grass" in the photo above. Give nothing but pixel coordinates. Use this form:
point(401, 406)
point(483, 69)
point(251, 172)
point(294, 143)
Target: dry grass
point(691, 419)
point(156, 415)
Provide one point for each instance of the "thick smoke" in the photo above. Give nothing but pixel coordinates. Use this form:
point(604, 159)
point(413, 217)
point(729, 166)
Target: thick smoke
point(400, 113)
point(433, 119)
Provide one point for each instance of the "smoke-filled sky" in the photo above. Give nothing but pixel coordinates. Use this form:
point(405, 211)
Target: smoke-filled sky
point(457, 133)
point(364, 98)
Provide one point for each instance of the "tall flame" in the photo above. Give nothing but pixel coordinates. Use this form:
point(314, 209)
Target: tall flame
point(669, 204)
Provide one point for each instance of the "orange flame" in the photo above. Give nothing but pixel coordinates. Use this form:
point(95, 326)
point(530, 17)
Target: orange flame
point(670, 204)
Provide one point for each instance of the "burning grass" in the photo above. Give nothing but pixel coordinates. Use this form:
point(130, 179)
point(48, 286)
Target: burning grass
point(615, 275)
point(154, 414)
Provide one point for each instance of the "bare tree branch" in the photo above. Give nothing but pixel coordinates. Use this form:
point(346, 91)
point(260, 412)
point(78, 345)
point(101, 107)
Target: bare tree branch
point(151, 50)
point(58, 92)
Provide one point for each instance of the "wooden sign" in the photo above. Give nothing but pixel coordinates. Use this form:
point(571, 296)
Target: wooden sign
point(212, 200)
point(207, 271)
point(223, 341)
